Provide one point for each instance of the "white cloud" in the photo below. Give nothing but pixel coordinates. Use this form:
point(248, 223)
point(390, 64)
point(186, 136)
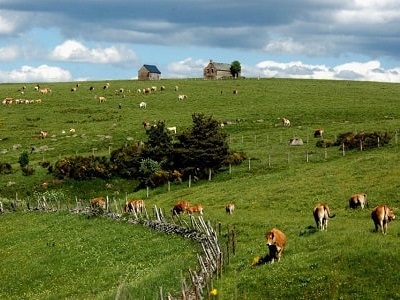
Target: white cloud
point(290, 46)
point(43, 73)
point(8, 53)
point(368, 71)
point(186, 68)
point(74, 51)
point(7, 24)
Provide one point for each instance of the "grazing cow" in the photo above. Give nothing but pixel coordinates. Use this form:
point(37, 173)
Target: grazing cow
point(322, 214)
point(98, 202)
point(72, 130)
point(153, 88)
point(182, 97)
point(45, 91)
point(8, 100)
point(198, 208)
point(229, 208)
point(73, 89)
point(180, 207)
point(318, 132)
point(172, 129)
point(42, 135)
point(143, 105)
point(382, 215)
point(146, 124)
point(147, 91)
point(176, 88)
point(235, 92)
point(276, 241)
point(101, 99)
point(162, 88)
point(38, 101)
point(285, 122)
point(91, 88)
point(137, 206)
point(357, 200)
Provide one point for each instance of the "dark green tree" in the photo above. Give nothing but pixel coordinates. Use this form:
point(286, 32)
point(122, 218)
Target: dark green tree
point(236, 68)
point(201, 148)
point(23, 159)
point(159, 145)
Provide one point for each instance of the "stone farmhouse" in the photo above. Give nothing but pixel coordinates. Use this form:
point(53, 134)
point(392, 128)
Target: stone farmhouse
point(216, 70)
point(149, 72)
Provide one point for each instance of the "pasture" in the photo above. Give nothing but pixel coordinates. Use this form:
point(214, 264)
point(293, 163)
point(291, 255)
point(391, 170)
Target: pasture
point(277, 187)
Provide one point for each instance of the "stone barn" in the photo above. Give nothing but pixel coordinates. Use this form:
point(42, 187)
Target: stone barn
point(216, 70)
point(149, 72)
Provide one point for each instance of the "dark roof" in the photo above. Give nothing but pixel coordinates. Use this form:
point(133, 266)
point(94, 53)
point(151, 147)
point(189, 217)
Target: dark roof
point(152, 69)
point(222, 66)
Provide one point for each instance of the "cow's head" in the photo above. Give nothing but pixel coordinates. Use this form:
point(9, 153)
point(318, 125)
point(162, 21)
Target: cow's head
point(270, 236)
point(390, 214)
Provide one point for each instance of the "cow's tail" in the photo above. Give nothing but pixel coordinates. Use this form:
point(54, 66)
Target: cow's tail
point(329, 213)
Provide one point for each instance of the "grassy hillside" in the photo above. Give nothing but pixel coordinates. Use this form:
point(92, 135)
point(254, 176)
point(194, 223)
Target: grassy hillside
point(278, 186)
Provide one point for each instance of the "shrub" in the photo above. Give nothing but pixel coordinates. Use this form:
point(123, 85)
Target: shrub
point(23, 159)
point(235, 158)
point(325, 143)
point(5, 168)
point(27, 170)
point(366, 140)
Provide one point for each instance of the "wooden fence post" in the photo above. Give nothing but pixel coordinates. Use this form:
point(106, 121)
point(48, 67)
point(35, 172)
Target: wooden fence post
point(234, 240)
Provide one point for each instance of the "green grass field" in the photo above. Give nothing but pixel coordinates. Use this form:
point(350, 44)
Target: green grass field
point(277, 187)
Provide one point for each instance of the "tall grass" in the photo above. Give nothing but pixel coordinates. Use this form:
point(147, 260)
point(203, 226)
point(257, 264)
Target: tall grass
point(277, 187)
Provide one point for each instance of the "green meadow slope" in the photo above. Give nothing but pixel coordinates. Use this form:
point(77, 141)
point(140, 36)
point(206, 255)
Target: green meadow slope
point(276, 187)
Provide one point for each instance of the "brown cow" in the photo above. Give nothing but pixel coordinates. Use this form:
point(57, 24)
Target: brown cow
point(229, 208)
point(42, 135)
point(322, 214)
point(98, 202)
point(137, 206)
point(382, 215)
point(276, 241)
point(318, 132)
point(180, 207)
point(357, 200)
point(195, 208)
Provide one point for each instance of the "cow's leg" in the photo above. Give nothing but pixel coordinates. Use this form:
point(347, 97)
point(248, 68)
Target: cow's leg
point(382, 227)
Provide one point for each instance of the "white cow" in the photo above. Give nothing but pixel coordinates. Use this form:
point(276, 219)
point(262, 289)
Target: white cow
point(285, 122)
point(143, 105)
point(182, 97)
point(172, 129)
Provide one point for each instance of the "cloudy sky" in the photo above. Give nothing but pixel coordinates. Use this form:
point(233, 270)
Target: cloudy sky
point(70, 40)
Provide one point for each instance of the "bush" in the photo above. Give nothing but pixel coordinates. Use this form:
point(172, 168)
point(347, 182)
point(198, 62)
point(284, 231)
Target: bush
point(80, 168)
point(235, 158)
point(325, 143)
point(27, 170)
point(366, 140)
point(5, 168)
point(23, 159)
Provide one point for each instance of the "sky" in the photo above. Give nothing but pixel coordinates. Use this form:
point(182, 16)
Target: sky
point(71, 40)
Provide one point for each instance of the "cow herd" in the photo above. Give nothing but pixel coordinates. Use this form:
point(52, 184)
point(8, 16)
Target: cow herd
point(138, 206)
point(381, 215)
